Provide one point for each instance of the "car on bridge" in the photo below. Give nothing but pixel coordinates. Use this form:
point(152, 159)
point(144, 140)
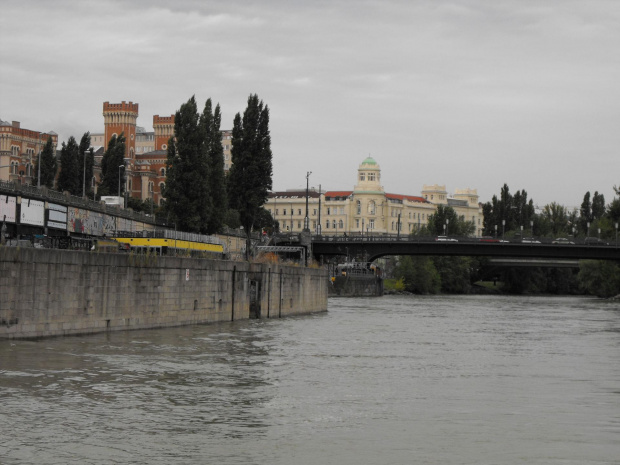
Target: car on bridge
point(594, 241)
point(562, 241)
point(445, 239)
point(529, 240)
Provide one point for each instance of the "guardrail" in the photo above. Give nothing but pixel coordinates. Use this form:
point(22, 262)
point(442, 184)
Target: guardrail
point(50, 195)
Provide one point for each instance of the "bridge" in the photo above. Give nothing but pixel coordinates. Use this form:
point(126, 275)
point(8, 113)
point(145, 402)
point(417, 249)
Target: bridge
point(373, 247)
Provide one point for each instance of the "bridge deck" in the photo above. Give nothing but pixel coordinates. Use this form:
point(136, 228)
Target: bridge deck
point(375, 247)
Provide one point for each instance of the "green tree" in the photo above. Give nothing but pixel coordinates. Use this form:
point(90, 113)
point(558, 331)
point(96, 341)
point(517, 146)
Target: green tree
point(113, 177)
point(419, 274)
point(249, 178)
point(454, 226)
point(508, 212)
point(188, 203)
point(70, 174)
point(86, 161)
point(210, 122)
point(553, 220)
point(48, 165)
point(455, 273)
point(585, 213)
point(598, 206)
point(599, 277)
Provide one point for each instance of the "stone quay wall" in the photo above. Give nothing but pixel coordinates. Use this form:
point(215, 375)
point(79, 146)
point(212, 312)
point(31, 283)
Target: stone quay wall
point(47, 292)
point(356, 286)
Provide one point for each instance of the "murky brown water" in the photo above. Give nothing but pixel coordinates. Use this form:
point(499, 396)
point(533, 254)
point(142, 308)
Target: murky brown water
point(394, 380)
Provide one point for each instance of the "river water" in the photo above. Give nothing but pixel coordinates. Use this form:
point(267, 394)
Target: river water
point(391, 380)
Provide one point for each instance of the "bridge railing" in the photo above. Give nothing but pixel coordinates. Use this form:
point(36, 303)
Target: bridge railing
point(529, 241)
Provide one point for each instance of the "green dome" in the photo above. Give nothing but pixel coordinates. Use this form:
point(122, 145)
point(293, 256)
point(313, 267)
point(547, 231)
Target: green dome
point(369, 161)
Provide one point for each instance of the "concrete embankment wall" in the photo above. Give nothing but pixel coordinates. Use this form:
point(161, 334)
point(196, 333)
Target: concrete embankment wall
point(46, 292)
point(356, 286)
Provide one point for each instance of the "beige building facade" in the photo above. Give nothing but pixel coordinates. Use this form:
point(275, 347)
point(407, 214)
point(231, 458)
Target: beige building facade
point(368, 209)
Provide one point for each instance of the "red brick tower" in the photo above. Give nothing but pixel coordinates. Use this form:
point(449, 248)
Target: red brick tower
point(164, 130)
point(121, 118)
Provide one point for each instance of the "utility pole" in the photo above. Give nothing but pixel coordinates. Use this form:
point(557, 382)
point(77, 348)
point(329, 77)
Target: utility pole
point(307, 219)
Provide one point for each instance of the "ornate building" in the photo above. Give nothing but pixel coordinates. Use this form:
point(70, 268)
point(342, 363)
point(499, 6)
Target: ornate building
point(19, 149)
point(368, 209)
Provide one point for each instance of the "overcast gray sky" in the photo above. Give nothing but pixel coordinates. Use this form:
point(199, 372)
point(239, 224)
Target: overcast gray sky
point(463, 93)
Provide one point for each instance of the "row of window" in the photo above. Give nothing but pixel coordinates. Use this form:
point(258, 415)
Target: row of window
point(370, 176)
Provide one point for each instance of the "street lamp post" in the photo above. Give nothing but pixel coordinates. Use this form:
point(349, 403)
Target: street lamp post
point(39, 172)
point(119, 179)
point(84, 175)
point(307, 219)
point(521, 232)
point(588, 229)
point(447, 226)
point(599, 234)
point(532, 228)
point(495, 231)
point(503, 228)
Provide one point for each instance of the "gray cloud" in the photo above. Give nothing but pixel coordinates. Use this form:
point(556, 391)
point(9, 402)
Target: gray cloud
point(466, 93)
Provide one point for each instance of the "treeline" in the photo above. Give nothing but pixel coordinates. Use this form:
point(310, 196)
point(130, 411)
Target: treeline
point(77, 162)
point(458, 275)
point(512, 215)
point(199, 196)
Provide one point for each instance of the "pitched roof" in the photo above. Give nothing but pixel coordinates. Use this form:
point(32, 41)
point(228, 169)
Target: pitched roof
point(338, 193)
point(410, 198)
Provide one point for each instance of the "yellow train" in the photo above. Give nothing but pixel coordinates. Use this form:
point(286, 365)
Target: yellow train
point(162, 246)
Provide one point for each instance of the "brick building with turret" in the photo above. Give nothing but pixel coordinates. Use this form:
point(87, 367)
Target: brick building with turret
point(19, 149)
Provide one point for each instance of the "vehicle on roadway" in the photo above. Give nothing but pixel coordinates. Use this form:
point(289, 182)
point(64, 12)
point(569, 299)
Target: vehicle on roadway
point(445, 239)
point(529, 240)
point(562, 241)
point(594, 241)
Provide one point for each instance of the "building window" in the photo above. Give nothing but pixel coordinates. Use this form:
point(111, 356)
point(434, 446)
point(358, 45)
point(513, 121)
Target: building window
point(164, 146)
point(362, 176)
point(284, 211)
point(371, 207)
point(371, 224)
point(329, 210)
point(299, 212)
point(327, 224)
point(163, 171)
point(341, 224)
point(161, 187)
point(357, 224)
point(359, 207)
point(371, 176)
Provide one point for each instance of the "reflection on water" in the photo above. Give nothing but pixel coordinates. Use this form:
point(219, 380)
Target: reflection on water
point(394, 380)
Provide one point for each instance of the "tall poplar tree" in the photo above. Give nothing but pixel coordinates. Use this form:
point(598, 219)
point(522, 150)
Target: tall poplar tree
point(249, 178)
point(70, 174)
point(187, 190)
point(585, 213)
point(210, 121)
point(48, 166)
point(86, 159)
point(598, 206)
point(113, 157)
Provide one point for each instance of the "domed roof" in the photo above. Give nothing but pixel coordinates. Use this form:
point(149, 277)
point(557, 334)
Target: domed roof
point(369, 161)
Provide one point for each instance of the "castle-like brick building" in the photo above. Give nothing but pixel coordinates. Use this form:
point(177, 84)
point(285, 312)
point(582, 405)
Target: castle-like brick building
point(19, 149)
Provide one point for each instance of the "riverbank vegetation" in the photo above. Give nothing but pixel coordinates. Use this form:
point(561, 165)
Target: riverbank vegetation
point(508, 216)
